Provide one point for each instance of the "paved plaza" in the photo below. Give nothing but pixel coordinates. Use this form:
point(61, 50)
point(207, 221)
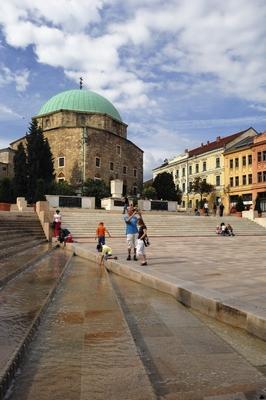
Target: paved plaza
point(223, 277)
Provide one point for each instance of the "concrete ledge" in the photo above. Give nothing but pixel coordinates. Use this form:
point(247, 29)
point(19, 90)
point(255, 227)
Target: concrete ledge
point(208, 302)
point(13, 364)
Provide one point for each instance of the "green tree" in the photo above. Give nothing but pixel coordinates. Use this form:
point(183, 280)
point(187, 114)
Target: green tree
point(6, 191)
point(239, 204)
point(149, 192)
point(61, 188)
point(97, 189)
point(39, 161)
point(165, 186)
point(20, 180)
point(201, 187)
point(40, 190)
point(257, 205)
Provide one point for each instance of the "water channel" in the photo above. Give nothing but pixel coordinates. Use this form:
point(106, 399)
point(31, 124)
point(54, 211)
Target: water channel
point(105, 337)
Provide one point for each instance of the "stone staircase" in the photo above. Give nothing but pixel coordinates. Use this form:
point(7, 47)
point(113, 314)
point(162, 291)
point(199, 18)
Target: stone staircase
point(18, 232)
point(82, 224)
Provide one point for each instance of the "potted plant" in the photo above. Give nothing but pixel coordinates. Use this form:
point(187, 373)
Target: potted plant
point(239, 206)
point(258, 207)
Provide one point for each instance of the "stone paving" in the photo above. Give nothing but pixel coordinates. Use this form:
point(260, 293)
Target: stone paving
point(223, 277)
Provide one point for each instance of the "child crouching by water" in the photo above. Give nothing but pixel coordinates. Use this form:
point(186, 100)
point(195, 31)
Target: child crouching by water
point(106, 253)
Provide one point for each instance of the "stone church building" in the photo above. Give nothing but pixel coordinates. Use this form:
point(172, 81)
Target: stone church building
point(88, 139)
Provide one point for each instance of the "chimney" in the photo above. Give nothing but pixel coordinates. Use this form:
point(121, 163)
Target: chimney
point(218, 138)
point(202, 144)
point(208, 142)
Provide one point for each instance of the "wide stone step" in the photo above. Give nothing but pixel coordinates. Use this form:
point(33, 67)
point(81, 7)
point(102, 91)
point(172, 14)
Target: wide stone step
point(17, 248)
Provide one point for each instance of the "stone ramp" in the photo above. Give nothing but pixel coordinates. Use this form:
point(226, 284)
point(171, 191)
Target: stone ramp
point(222, 277)
point(83, 225)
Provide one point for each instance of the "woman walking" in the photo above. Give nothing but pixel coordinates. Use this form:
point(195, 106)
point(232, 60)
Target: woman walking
point(142, 241)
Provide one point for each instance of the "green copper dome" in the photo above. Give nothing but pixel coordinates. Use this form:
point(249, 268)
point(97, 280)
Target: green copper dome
point(80, 100)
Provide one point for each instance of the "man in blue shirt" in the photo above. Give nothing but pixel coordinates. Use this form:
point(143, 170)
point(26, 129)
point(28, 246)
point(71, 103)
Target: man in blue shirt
point(131, 221)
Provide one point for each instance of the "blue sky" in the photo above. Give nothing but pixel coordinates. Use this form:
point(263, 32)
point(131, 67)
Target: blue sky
point(180, 72)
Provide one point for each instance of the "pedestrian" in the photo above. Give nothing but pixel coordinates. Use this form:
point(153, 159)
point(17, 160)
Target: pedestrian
point(126, 204)
point(106, 253)
point(206, 208)
point(221, 209)
point(214, 209)
point(101, 232)
point(230, 230)
point(65, 236)
point(131, 221)
point(142, 242)
point(57, 223)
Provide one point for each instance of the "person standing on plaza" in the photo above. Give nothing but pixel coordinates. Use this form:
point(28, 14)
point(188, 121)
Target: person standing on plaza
point(101, 232)
point(214, 209)
point(206, 208)
point(221, 209)
point(142, 241)
point(57, 223)
point(131, 221)
point(126, 204)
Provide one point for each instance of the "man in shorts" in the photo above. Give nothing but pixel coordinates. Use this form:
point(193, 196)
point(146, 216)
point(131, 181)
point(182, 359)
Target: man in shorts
point(131, 221)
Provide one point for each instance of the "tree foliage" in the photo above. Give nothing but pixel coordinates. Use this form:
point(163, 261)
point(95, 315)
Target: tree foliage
point(39, 162)
point(165, 186)
point(239, 204)
point(6, 191)
point(62, 188)
point(149, 192)
point(201, 187)
point(20, 172)
point(96, 188)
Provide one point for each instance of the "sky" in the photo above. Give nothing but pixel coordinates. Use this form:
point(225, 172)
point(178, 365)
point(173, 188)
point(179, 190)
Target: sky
point(179, 72)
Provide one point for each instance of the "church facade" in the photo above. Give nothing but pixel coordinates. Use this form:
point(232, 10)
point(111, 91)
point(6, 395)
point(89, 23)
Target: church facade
point(88, 139)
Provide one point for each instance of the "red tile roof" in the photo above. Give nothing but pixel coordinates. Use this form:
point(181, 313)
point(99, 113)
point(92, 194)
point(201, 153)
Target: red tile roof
point(218, 143)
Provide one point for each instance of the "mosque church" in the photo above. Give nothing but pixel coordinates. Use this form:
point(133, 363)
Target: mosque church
point(88, 139)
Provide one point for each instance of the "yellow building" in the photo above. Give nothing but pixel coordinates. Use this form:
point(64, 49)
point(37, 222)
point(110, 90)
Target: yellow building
point(205, 162)
point(238, 173)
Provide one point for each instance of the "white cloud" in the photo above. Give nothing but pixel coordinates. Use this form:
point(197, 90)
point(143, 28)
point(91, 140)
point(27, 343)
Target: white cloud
point(224, 40)
point(7, 113)
point(20, 78)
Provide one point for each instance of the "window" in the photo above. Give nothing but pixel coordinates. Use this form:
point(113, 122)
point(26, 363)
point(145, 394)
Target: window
point(249, 159)
point(236, 164)
point(231, 182)
point(61, 179)
point(135, 172)
point(204, 166)
point(183, 171)
point(259, 177)
point(244, 161)
point(231, 163)
point(183, 187)
point(264, 156)
point(190, 169)
point(204, 180)
point(177, 173)
point(98, 162)
point(111, 166)
point(237, 180)
point(244, 180)
point(218, 162)
point(264, 176)
point(118, 150)
point(61, 161)
point(135, 190)
point(197, 168)
point(249, 179)
point(190, 186)
point(4, 168)
point(259, 156)
point(124, 170)
point(218, 180)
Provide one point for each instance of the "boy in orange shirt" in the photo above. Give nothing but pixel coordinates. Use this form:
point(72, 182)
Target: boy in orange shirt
point(100, 233)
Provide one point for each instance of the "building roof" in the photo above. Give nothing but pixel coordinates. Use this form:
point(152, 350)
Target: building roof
point(246, 142)
point(217, 144)
point(82, 101)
